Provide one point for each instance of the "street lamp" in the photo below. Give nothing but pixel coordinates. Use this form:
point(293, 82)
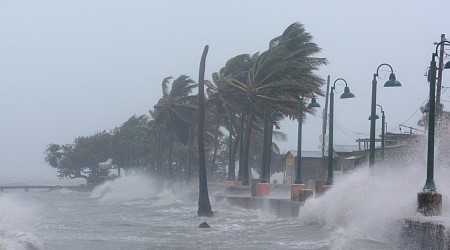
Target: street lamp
point(382, 129)
point(429, 184)
point(392, 82)
point(345, 95)
point(429, 201)
point(313, 104)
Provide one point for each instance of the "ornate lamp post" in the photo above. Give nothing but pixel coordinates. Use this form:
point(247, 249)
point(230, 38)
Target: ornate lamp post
point(392, 82)
point(313, 104)
point(298, 185)
point(429, 201)
point(383, 132)
point(345, 95)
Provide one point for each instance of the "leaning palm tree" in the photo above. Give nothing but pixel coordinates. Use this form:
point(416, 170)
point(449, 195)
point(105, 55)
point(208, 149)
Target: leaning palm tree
point(204, 205)
point(278, 77)
point(225, 102)
point(171, 114)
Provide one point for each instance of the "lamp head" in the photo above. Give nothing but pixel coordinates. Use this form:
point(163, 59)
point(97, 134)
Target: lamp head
point(392, 81)
point(347, 93)
point(447, 65)
point(426, 109)
point(376, 117)
point(313, 103)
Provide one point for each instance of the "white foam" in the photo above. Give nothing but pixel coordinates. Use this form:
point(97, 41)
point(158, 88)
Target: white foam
point(370, 204)
point(127, 188)
point(17, 221)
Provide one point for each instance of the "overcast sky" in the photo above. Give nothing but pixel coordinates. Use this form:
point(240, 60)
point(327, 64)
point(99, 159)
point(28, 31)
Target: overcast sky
point(73, 68)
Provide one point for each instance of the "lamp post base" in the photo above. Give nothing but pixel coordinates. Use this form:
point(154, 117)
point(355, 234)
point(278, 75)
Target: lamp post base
point(304, 194)
point(429, 203)
point(295, 191)
point(325, 188)
point(262, 189)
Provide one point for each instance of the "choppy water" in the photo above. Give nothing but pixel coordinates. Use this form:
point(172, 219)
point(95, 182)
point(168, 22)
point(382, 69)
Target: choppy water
point(362, 211)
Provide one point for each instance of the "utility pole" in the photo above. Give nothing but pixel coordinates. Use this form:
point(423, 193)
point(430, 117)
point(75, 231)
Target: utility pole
point(439, 80)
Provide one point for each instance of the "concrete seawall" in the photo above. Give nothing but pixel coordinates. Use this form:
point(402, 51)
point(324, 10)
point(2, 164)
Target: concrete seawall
point(280, 207)
point(422, 234)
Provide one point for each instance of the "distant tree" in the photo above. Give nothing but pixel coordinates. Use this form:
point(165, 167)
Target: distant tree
point(81, 159)
point(128, 145)
point(131, 143)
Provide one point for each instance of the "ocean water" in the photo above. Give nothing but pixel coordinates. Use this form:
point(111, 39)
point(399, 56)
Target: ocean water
point(363, 210)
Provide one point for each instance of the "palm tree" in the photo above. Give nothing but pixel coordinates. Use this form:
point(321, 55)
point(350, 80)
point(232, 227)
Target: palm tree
point(204, 205)
point(227, 107)
point(278, 76)
point(171, 114)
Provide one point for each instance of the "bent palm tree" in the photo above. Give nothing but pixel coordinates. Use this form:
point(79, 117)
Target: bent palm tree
point(278, 77)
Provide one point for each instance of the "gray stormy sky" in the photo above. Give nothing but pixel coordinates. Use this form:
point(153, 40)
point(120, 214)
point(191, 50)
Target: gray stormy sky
point(71, 68)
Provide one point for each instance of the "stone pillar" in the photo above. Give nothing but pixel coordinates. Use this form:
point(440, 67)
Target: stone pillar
point(325, 188)
point(253, 183)
point(429, 203)
point(262, 189)
point(318, 187)
point(295, 190)
point(304, 194)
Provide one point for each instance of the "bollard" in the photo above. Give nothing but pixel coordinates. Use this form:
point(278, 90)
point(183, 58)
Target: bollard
point(429, 203)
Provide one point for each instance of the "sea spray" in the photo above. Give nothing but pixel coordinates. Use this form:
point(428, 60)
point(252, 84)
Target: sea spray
point(138, 187)
point(17, 222)
point(128, 188)
point(371, 203)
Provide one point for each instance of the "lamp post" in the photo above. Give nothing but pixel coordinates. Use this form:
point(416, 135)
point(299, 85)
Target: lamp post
point(383, 132)
point(313, 104)
point(429, 201)
point(298, 189)
point(345, 95)
point(383, 126)
point(429, 183)
point(392, 82)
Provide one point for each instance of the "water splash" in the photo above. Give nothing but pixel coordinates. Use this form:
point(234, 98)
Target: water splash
point(370, 204)
point(17, 220)
point(129, 188)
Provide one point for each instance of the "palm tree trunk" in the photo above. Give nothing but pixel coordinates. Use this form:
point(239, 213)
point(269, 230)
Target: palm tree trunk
point(216, 146)
point(248, 132)
point(204, 205)
point(269, 150)
point(169, 158)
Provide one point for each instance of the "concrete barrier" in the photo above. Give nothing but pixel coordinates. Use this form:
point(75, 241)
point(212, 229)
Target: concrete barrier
point(280, 207)
point(417, 234)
